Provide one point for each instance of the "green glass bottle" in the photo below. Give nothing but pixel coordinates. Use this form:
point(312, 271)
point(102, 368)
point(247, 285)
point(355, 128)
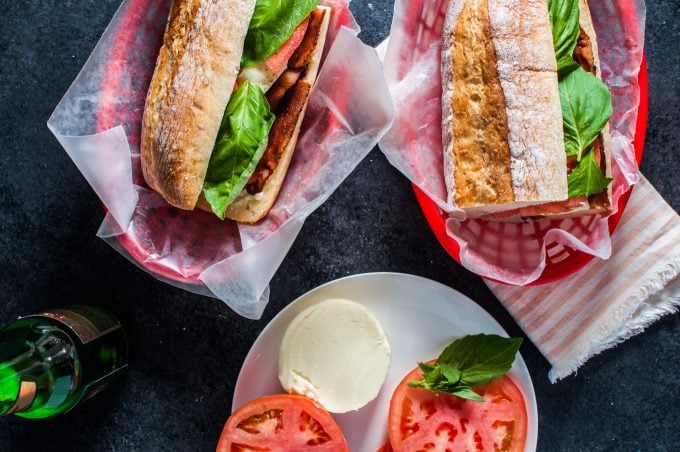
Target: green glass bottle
point(50, 362)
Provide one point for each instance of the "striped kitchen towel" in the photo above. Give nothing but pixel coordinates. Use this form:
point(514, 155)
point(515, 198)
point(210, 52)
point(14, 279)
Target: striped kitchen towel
point(608, 301)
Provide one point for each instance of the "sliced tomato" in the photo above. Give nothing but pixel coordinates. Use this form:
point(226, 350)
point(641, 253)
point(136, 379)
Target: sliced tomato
point(280, 58)
point(281, 423)
point(420, 420)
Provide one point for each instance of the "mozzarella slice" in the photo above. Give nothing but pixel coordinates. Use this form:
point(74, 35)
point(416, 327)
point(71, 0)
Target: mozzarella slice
point(336, 353)
point(260, 75)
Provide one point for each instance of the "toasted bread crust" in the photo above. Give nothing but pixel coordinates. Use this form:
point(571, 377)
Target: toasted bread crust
point(191, 86)
point(524, 117)
point(479, 123)
point(600, 203)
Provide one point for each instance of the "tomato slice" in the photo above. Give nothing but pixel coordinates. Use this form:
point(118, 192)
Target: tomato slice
point(420, 420)
point(280, 58)
point(281, 422)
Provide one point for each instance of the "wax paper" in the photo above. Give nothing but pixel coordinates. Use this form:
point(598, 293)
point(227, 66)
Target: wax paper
point(510, 253)
point(98, 124)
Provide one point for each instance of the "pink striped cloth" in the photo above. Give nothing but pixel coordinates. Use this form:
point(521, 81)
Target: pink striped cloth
point(608, 301)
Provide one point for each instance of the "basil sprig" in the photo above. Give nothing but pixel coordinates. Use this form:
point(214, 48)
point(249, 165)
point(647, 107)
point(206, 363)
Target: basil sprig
point(272, 24)
point(468, 362)
point(241, 141)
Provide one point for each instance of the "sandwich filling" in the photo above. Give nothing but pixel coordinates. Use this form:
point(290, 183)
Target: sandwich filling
point(287, 97)
point(263, 110)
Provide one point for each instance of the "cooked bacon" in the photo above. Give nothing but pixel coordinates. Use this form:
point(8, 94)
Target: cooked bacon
point(281, 86)
point(583, 53)
point(280, 135)
point(303, 53)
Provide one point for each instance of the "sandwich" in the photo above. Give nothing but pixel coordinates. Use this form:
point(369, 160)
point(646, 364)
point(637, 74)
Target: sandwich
point(226, 102)
point(524, 110)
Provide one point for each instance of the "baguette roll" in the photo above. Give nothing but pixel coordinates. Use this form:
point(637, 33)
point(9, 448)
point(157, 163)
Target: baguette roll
point(587, 56)
point(503, 130)
point(502, 121)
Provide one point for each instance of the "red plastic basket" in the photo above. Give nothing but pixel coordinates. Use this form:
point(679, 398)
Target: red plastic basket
point(138, 36)
point(568, 260)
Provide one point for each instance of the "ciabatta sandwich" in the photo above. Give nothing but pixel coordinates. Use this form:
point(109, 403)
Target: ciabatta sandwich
point(226, 102)
point(525, 114)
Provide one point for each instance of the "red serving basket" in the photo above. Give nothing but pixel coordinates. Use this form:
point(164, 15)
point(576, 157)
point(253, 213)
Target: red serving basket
point(568, 260)
point(138, 36)
point(142, 12)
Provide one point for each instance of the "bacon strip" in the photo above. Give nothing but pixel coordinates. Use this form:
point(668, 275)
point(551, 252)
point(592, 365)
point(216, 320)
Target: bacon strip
point(279, 136)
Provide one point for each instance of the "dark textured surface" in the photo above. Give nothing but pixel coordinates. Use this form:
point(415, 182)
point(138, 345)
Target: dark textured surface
point(187, 350)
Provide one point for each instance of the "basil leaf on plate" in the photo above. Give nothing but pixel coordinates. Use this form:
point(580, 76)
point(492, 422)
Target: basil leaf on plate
point(426, 367)
point(481, 358)
point(586, 108)
point(587, 178)
point(272, 24)
point(451, 373)
point(467, 393)
point(240, 143)
point(564, 18)
point(469, 361)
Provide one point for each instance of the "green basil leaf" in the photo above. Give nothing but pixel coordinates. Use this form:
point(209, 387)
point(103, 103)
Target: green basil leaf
point(451, 374)
point(272, 24)
point(469, 361)
point(587, 178)
point(467, 393)
point(564, 18)
point(496, 352)
point(586, 108)
point(481, 374)
point(426, 367)
point(241, 141)
point(419, 384)
point(434, 375)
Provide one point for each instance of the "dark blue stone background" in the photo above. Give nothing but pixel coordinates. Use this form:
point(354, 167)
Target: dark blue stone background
point(187, 350)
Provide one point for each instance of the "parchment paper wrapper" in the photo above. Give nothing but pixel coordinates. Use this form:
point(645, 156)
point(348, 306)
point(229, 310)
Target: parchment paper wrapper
point(510, 253)
point(98, 124)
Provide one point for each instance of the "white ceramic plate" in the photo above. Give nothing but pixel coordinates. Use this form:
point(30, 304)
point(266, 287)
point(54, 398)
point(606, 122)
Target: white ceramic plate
point(420, 318)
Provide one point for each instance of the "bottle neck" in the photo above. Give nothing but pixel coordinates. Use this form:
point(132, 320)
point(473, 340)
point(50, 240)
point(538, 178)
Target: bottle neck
point(51, 361)
point(27, 356)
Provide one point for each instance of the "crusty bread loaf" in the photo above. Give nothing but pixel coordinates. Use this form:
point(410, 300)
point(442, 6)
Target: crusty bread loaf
point(502, 120)
point(251, 208)
point(191, 86)
point(575, 207)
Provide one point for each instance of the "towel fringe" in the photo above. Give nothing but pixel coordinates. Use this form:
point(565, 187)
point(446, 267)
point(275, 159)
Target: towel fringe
point(658, 296)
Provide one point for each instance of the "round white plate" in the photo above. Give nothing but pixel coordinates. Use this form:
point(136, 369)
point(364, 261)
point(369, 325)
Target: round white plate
point(420, 317)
